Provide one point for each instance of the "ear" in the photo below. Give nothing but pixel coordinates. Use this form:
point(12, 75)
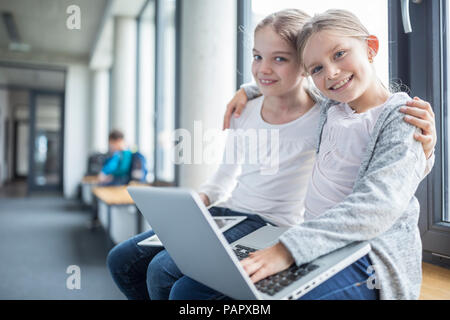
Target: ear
point(373, 45)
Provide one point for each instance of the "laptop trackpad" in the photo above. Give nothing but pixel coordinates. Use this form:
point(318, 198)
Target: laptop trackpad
point(262, 238)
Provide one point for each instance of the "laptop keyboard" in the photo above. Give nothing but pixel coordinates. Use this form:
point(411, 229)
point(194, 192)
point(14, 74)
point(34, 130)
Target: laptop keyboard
point(275, 283)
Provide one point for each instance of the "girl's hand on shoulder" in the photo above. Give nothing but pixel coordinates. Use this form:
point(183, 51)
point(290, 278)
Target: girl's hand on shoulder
point(420, 114)
point(236, 105)
point(263, 263)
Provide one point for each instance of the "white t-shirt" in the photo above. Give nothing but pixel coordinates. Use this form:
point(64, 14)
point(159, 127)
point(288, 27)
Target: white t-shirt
point(343, 145)
point(274, 186)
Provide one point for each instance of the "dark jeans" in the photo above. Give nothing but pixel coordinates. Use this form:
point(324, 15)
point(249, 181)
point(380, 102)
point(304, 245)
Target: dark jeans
point(138, 270)
point(349, 284)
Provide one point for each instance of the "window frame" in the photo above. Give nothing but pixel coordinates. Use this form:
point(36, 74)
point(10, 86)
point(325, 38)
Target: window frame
point(244, 21)
point(138, 85)
point(159, 80)
point(424, 49)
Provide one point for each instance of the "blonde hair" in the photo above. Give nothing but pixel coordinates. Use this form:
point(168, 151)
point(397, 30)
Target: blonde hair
point(341, 22)
point(288, 24)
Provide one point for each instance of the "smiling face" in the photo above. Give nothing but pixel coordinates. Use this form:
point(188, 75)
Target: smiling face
point(275, 67)
point(340, 67)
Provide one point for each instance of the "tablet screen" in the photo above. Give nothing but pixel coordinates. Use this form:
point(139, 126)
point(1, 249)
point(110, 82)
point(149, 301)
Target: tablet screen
point(223, 223)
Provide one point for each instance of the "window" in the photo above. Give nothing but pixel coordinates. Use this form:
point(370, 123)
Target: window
point(373, 14)
point(423, 62)
point(146, 86)
point(165, 88)
point(156, 89)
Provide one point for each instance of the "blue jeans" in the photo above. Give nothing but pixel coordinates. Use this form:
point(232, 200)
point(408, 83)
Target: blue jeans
point(349, 284)
point(144, 272)
point(163, 273)
point(128, 262)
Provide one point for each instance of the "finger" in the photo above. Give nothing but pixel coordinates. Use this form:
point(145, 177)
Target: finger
point(250, 265)
point(424, 139)
point(227, 117)
point(421, 124)
point(239, 108)
point(260, 274)
point(427, 143)
point(416, 112)
point(419, 103)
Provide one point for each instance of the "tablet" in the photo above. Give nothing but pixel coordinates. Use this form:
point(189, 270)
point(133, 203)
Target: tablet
point(224, 223)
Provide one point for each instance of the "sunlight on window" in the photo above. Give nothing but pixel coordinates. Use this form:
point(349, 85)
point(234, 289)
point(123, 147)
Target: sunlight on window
point(147, 85)
point(165, 169)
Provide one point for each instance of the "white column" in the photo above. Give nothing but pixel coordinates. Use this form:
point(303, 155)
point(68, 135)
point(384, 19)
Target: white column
point(4, 106)
point(76, 127)
point(99, 111)
point(208, 72)
point(123, 95)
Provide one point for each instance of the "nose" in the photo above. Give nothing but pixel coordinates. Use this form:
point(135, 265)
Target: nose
point(265, 67)
point(332, 72)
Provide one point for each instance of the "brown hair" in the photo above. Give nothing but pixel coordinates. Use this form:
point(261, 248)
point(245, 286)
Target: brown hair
point(115, 135)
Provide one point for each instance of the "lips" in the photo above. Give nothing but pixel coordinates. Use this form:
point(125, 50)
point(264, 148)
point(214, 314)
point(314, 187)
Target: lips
point(341, 83)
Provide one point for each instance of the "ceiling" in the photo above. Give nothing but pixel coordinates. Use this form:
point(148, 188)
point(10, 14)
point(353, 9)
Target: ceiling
point(42, 25)
point(13, 77)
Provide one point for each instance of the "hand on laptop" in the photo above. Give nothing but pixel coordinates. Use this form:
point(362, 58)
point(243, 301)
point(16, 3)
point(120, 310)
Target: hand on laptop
point(263, 263)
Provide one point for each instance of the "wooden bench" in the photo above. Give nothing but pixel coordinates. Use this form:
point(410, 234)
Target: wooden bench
point(435, 283)
point(114, 203)
point(87, 184)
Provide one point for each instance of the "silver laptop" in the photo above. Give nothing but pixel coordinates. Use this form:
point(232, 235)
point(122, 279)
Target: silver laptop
point(200, 251)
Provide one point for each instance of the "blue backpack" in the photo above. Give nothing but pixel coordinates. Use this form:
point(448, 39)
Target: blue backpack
point(138, 167)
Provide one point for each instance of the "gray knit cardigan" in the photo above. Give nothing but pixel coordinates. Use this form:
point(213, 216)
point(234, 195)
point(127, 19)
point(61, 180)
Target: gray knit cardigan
point(381, 209)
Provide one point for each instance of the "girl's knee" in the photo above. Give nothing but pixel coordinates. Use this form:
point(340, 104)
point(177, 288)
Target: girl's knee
point(120, 257)
point(178, 291)
point(154, 270)
point(115, 260)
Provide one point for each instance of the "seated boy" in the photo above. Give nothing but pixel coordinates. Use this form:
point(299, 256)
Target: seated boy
point(116, 170)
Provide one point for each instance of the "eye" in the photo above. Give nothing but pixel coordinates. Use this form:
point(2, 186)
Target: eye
point(315, 70)
point(339, 54)
point(256, 57)
point(280, 59)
